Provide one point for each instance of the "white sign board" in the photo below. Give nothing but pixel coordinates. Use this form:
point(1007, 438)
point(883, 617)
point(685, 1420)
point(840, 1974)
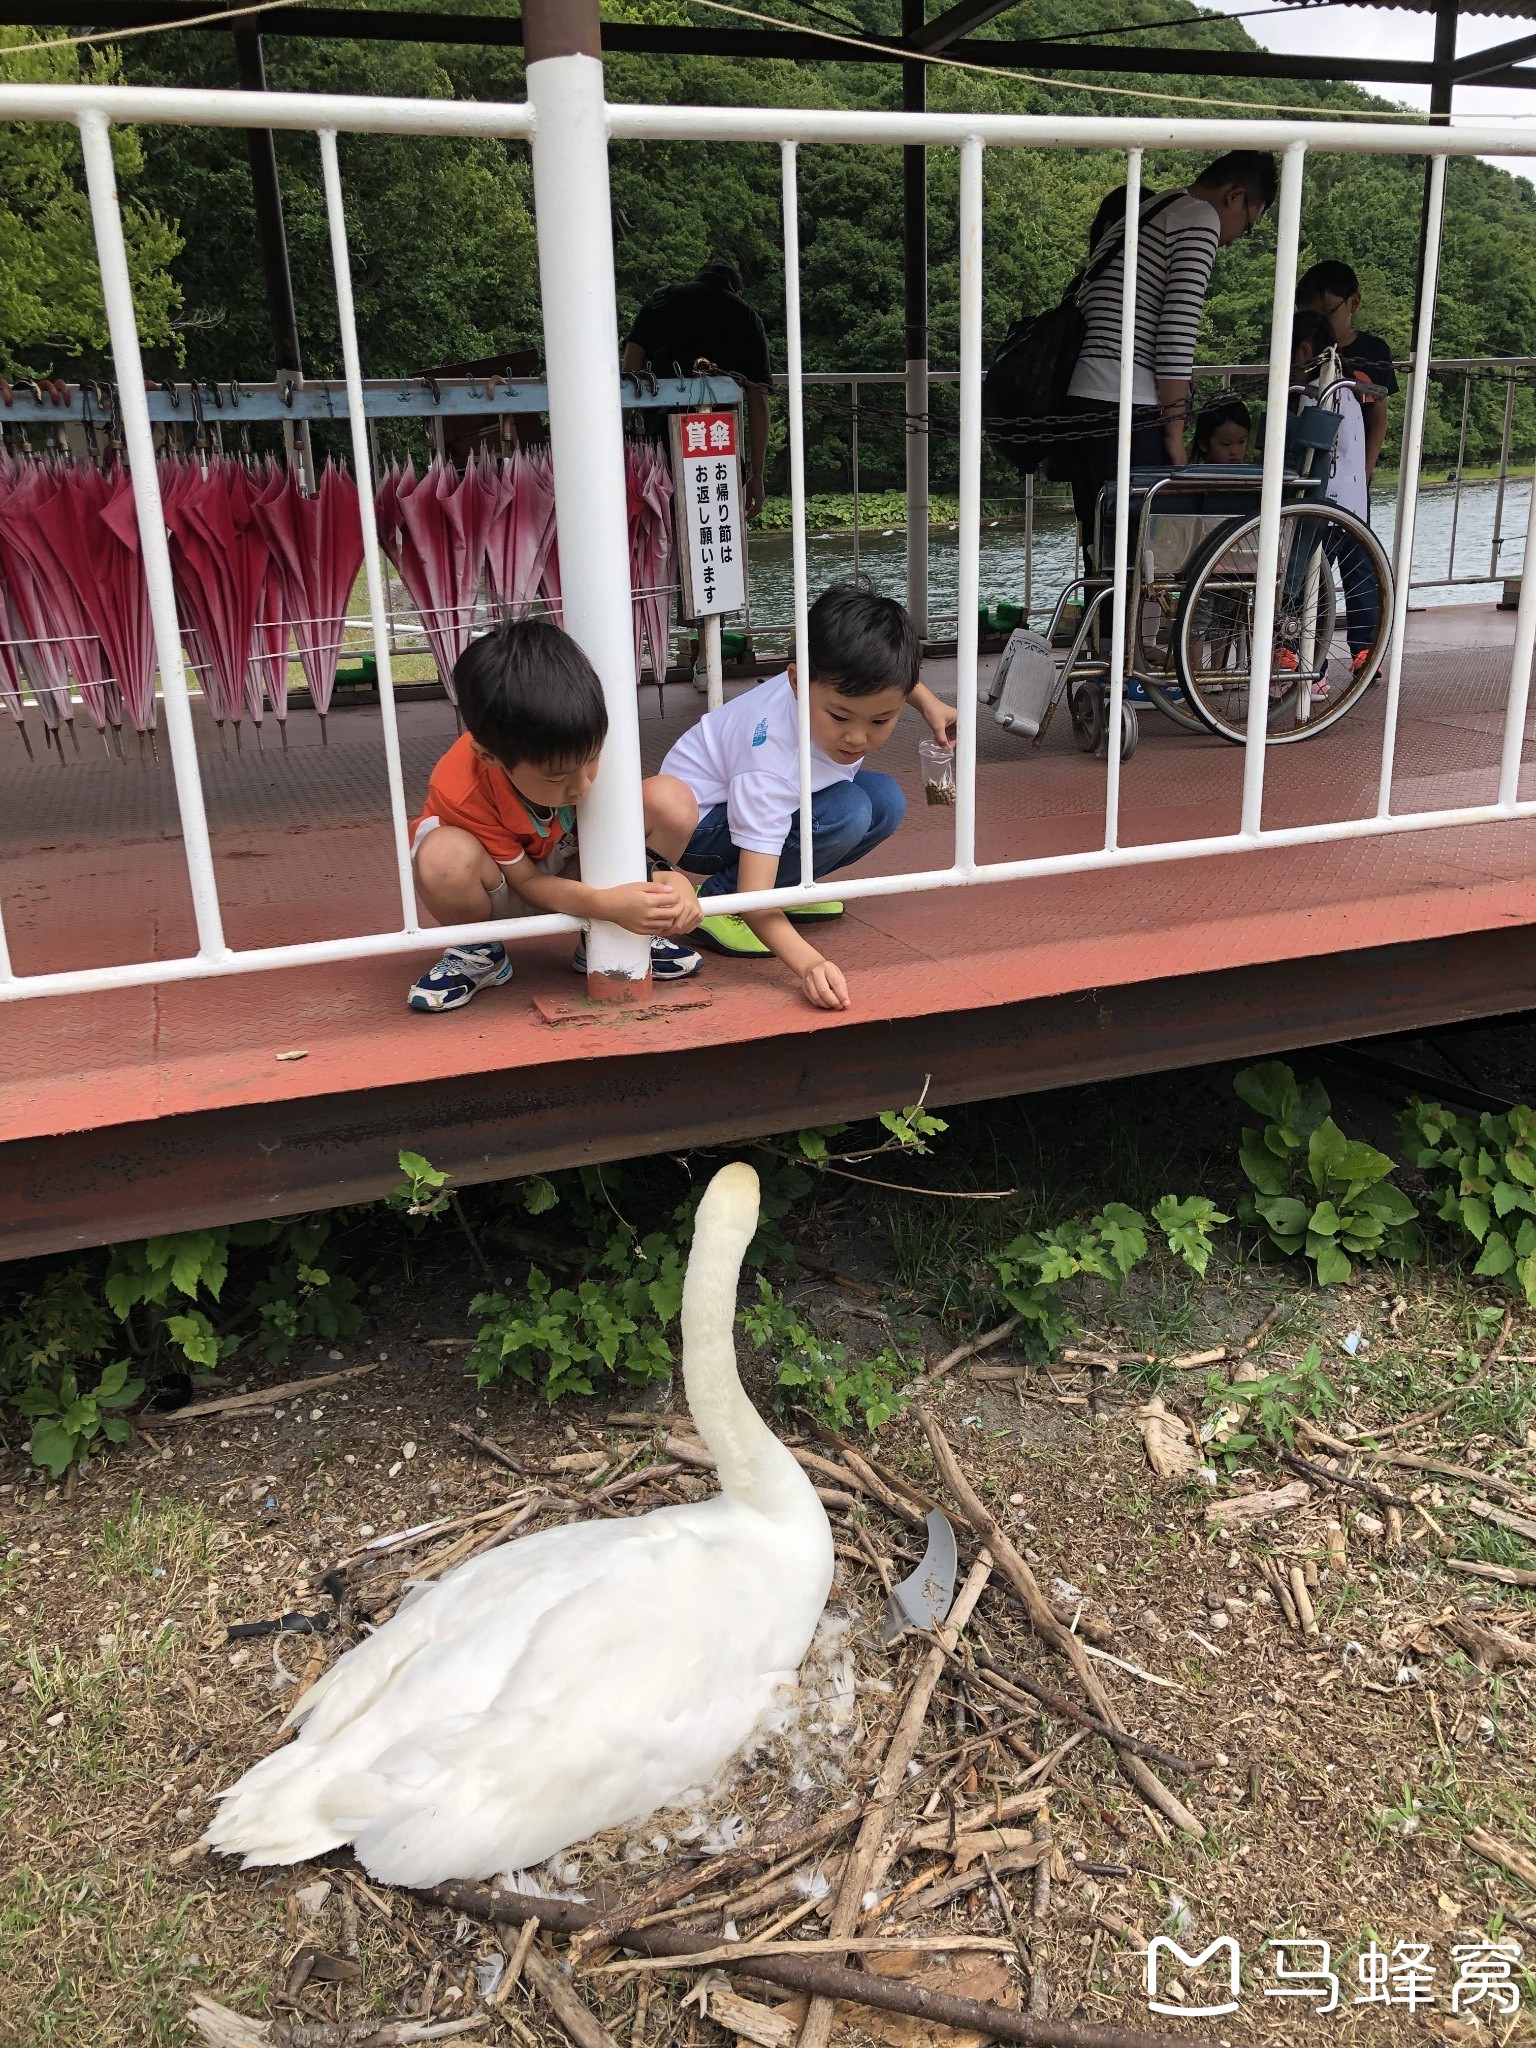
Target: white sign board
point(712, 541)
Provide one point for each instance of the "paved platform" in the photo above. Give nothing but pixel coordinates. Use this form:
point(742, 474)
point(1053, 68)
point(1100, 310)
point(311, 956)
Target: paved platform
point(150, 1108)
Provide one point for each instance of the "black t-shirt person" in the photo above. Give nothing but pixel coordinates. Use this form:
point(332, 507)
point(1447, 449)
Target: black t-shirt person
point(705, 319)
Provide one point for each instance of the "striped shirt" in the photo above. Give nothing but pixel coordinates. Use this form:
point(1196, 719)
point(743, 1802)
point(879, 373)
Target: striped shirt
point(1173, 268)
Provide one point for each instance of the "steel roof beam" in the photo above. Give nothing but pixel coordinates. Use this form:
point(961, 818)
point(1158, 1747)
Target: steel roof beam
point(957, 21)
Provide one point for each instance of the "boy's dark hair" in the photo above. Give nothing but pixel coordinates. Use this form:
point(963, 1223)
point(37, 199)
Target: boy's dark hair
point(1223, 412)
point(1250, 168)
point(721, 272)
point(1311, 330)
point(862, 642)
point(1335, 279)
point(527, 693)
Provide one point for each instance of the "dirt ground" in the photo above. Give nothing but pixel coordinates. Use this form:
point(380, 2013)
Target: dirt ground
point(1344, 1770)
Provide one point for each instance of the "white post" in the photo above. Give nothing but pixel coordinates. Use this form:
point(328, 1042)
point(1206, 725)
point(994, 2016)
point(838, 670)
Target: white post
point(1408, 476)
point(968, 591)
point(709, 636)
point(917, 494)
point(1276, 402)
point(586, 437)
point(801, 611)
point(1520, 670)
point(362, 464)
point(138, 439)
point(1122, 542)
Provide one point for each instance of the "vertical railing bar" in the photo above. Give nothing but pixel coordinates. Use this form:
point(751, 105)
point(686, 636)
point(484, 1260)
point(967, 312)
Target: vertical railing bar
point(362, 462)
point(1461, 457)
point(1520, 669)
point(138, 438)
point(1408, 476)
point(795, 369)
point(968, 511)
point(1029, 545)
point(1276, 405)
point(1498, 503)
point(1120, 553)
point(853, 387)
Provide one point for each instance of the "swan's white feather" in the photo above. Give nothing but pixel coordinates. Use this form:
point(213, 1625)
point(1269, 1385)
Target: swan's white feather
point(566, 1683)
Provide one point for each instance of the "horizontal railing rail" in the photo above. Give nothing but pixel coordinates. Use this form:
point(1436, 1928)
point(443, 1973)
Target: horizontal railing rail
point(569, 126)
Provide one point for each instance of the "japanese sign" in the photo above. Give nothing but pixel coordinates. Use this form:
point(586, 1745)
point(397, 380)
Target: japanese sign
point(706, 473)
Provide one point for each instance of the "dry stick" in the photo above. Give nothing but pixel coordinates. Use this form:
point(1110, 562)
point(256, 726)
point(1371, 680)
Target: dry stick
point(976, 1345)
point(1520, 1525)
point(1048, 1628)
point(1326, 1478)
point(487, 1271)
point(264, 1397)
point(568, 2007)
point(647, 1475)
point(1490, 1482)
point(1027, 1858)
point(1040, 1905)
point(893, 1773)
point(1019, 1682)
point(823, 1979)
point(487, 1449)
point(866, 1463)
point(1501, 1574)
point(514, 1970)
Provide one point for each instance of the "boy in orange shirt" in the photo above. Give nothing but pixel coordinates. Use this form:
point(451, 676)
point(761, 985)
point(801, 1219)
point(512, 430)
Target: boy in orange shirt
point(499, 825)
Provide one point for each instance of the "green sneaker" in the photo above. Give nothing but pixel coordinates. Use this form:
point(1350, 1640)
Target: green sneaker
point(730, 935)
point(812, 913)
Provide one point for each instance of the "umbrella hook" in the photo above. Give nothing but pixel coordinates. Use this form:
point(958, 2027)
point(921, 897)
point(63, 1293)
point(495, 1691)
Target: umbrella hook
point(168, 386)
point(6, 397)
point(88, 419)
point(199, 433)
point(330, 403)
point(236, 395)
point(287, 393)
point(431, 384)
point(216, 395)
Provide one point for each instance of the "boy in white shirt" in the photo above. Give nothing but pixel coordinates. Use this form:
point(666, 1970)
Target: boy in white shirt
point(729, 790)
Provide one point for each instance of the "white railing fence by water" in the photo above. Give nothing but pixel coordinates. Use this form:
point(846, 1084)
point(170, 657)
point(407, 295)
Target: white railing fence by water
point(572, 203)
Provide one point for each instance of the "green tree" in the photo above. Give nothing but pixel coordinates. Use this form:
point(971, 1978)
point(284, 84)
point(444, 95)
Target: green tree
point(52, 317)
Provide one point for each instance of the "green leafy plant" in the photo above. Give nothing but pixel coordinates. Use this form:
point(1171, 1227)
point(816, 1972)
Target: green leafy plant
point(1188, 1225)
point(1318, 1192)
point(1482, 1174)
point(1244, 1413)
point(157, 1272)
point(68, 1421)
point(820, 1372)
point(423, 1194)
point(611, 1325)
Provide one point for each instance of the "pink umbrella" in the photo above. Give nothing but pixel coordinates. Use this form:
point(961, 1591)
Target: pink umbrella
point(540, 463)
point(657, 566)
point(435, 530)
point(269, 654)
point(522, 533)
point(221, 562)
point(317, 550)
point(11, 676)
point(92, 528)
point(45, 614)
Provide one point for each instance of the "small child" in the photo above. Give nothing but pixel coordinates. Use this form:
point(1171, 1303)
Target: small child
point(734, 780)
point(1313, 351)
point(1221, 432)
point(500, 820)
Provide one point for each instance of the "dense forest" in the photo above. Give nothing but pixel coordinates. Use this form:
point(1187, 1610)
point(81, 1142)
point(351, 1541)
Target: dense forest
point(443, 242)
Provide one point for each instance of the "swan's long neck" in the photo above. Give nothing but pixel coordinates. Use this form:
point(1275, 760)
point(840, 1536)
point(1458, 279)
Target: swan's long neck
point(754, 1466)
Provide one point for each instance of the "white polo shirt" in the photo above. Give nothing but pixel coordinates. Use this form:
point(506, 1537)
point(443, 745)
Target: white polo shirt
point(746, 756)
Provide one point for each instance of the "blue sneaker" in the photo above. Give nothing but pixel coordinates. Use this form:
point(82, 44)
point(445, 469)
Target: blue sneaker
point(669, 960)
point(462, 971)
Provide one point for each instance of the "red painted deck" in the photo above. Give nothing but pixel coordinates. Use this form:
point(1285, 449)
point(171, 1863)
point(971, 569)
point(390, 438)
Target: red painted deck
point(92, 873)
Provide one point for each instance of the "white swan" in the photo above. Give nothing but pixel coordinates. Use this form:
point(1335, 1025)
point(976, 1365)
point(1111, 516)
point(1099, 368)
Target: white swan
point(575, 1679)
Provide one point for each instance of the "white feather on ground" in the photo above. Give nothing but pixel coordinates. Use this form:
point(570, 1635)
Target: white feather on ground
point(573, 1680)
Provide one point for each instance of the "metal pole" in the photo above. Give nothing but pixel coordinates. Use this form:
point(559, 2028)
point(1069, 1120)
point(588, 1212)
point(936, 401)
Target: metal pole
point(1520, 667)
point(854, 449)
point(714, 676)
point(586, 435)
point(968, 588)
point(1504, 446)
point(138, 439)
point(1120, 552)
point(267, 197)
point(1461, 461)
point(914, 174)
point(1029, 545)
point(1408, 474)
point(362, 464)
point(1441, 93)
point(800, 604)
point(1261, 655)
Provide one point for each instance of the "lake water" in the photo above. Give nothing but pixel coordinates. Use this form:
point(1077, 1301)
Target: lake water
point(882, 555)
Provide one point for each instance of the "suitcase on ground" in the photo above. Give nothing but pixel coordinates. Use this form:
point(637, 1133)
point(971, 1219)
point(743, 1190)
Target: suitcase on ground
point(1023, 683)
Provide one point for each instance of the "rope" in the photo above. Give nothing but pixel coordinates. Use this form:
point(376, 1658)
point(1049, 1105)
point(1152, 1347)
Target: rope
point(1129, 92)
point(154, 28)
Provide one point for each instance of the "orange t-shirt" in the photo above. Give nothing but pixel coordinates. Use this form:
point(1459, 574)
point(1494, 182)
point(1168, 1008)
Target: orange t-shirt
point(477, 795)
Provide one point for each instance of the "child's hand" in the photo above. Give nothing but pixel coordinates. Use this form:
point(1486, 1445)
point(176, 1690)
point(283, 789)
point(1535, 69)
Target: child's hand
point(648, 907)
point(825, 987)
point(942, 720)
point(687, 909)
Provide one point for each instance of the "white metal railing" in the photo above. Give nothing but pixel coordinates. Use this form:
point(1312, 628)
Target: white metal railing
point(569, 126)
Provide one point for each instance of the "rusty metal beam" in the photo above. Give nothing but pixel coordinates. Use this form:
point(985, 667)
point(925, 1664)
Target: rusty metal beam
point(225, 1166)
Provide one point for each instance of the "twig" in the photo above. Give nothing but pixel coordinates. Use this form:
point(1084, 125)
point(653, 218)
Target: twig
point(412, 1539)
point(977, 1345)
point(825, 1979)
point(1302, 1601)
point(645, 1475)
point(514, 1970)
point(929, 1901)
point(264, 1397)
point(1509, 1858)
point(487, 1449)
point(744, 1952)
point(1263, 1326)
point(1019, 1682)
point(859, 1868)
point(1501, 1574)
point(1047, 1627)
point(1324, 1477)
point(1490, 1482)
point(567, 2005)
point(1519, 1525)
point(865, 1462)
point(487, 1271)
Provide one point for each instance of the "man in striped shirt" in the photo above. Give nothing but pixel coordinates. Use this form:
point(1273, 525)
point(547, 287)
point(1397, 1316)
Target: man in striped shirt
point(1180, 233)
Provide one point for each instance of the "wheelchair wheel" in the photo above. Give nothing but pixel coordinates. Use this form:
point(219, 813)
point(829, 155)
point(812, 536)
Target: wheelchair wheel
point(1085, 706)
point(1314, 680)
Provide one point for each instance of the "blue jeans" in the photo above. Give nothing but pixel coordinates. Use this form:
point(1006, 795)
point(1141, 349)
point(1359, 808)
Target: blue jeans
point(848, 820)
point(1362, 609)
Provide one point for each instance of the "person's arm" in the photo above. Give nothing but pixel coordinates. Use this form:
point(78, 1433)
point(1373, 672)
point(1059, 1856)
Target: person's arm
point(940, 718)
point(663, 908)
point(1191, 253)
point(757, 420)
point(1375, 434)
point(820, 981)
point(633, 359)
